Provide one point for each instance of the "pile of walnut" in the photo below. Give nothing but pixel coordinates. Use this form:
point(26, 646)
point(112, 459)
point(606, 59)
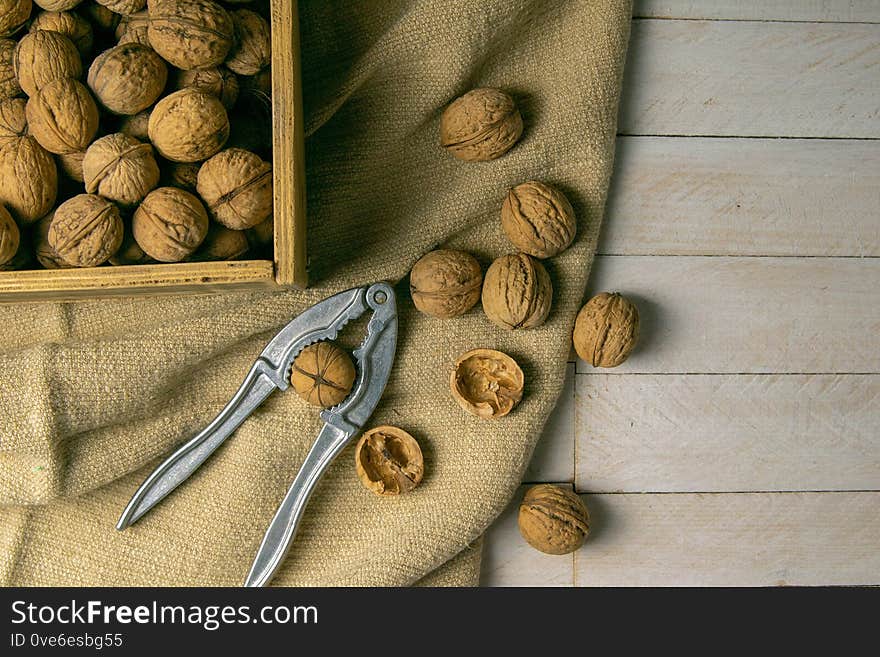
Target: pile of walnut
point(127, 132)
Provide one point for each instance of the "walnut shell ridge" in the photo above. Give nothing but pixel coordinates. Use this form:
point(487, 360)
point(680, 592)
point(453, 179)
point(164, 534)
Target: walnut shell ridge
point(188, 126)
point(481, 125)
point(9, 87)
point(63, 116)
point(606, 330)
point(236, 185)
point(251, 51)
point(120, 168)
point(517, 292)
point(190, 33)
point(13, 120)
point(538, 219)
point(13, 16)
point(127, 79)
point(9, 236)
point(73, 26)
point(553, 520)
point(30, 179)
point(445, 283)
point(42, 57)
point(86, 230)
point(169, 224)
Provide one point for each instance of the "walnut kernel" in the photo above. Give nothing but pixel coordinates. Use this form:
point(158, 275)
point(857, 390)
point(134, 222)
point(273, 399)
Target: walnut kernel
point(538, 219)
point(445, 283)
point(120, 168)
point(63, 116)
point(481, 125)
point(517, 292)
point(127, 79)
point(169, 224)
point(188, 126)
point(323, 374)
point(190, 33)
point(606, 330)
point(553, 520)
point(487, 383)
point(389, 461)
point(236, 185)
point(42, 57)
point(86, 230)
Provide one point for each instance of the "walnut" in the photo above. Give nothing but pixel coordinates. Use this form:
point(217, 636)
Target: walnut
point(71, 165)
point(236, 185)
point(190, 33)
point(251, 51)
point(13, 15)
point(9, 87)
point(29, 179)
point(183, 175)
point(169, 224)
point(136, 125)
point(538, 219)
point(219, 82)
point(63, 116)
point(57, 5)
point(73, 26)
point(445, 283)
point(606, 330)
point(9, 236)
point(101, 18)
point(120, 168)
point(42, 57)
point(481, 125)
point(22, 259)
point(553, 520)
point(128, 79)
point(517, 292)
point(389, 461)
point(487, 383)
point(221, 243)
point(124, 7)
point(133, 28)
point(188, 126)
point(322, 374)
point(263, 234)
point(13, 121)
point(86, 230)
point(46, 255)
point(130, 253)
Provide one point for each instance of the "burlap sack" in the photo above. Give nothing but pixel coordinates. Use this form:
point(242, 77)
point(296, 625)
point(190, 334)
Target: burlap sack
point(92, 394)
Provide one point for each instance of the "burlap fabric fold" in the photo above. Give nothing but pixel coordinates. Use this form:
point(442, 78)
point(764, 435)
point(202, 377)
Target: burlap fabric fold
point(93, 394)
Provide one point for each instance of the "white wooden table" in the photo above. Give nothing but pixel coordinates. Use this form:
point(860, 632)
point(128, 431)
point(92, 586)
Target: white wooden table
point(741, 444)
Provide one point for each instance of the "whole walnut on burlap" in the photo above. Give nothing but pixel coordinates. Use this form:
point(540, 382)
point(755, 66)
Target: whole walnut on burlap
point(120, 168)
point(42, 57)
point(86, 230)
point(538, 219)
point(517, 292)
point(73, 26)
point(63, 116)
point(128, 78)
point(481, 125)
point(445, 283)
point(30, 179)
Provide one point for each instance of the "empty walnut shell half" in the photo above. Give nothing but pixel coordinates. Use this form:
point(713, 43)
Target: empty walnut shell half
point(86, 230)
point(538, 219)
point(43, 56)
point(236, 185)
point(127, 79)
point(188, 126)
point(323, 374)
point(389, 461)
point(481, 125)
point(445, 283)
point(169, 224)
point(606, 330)
point(190, 33)
point(487, 383)
point(9, 236)
point(62, 116)
point(553, 520)
point(517, 292)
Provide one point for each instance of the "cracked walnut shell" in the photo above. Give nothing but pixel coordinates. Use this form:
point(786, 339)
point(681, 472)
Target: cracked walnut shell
point(481, 125)
point(487, 383)
point(606, 330)
point(73, 26)
point(120, 168)
point(517, 292)
point(127, 79)
point(251, 51)
point(188, 126)
point(236, 185)
point(29, 179)
point(13, 16)
point(538, 219)
point(9, 87)
point(9, 236)
point(190, 33)
point(553, 520)
point(169, 224)
point(445, 283)
point(42, 57)
point(323, 374)
point(389, 461)
point(86, 230)
point(63, 116)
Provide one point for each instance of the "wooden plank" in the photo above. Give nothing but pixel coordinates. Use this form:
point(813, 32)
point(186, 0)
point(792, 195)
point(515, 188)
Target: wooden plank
point(718, 78)
point(509, 561)
point(696, 196)
point(745, 539)
point(92, 282)
point(553, 459)
point(699, 433)
point(749, 315)
point(844, 11)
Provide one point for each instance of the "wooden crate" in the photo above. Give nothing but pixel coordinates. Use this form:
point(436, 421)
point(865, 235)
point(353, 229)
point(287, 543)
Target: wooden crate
point(288, 267)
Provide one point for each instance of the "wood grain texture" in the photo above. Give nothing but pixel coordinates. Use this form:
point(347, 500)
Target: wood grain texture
point(748, 315)
point(738, 539)
point(762, 10)
point(553, 459)
point(721, 78)
point(696, 196)
point(288, 147)
point(716, 433)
